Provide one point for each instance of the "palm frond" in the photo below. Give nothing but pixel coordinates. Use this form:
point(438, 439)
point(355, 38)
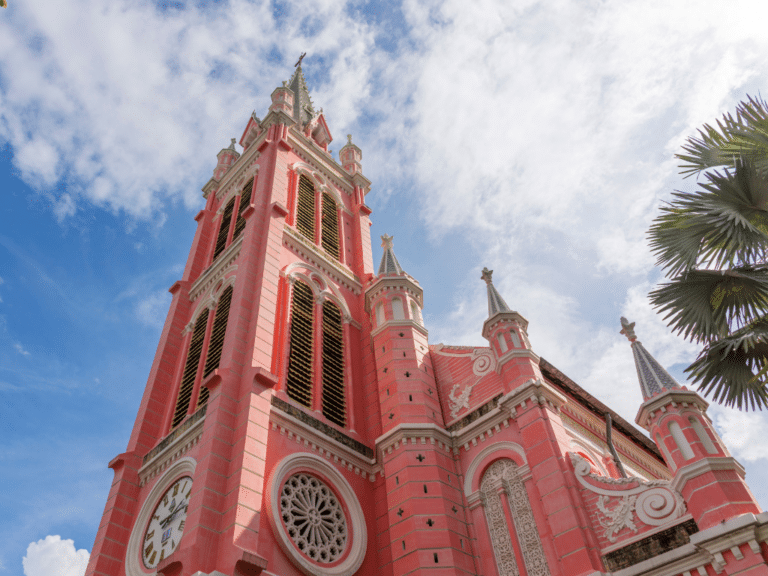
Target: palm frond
point(733, 369)
point(705, 305)
point(724, 224)
point(744, 137)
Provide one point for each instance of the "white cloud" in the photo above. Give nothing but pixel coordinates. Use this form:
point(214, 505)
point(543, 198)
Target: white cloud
point(152, 309)
point(122, 103)
point(20, 349)
point(743, 432)
point(54, 557)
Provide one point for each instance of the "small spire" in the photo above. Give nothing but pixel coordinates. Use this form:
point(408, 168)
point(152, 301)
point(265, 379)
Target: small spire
point(496, 303)
point(389, 263)
point(303, 110)
point(232, 145)
point(349, 139)
point(654, 379)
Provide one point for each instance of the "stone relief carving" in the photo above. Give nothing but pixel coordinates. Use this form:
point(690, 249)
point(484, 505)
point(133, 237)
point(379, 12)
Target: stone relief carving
point(460, 402)
point(617, 518)
point(504, 474)
point(654, 503)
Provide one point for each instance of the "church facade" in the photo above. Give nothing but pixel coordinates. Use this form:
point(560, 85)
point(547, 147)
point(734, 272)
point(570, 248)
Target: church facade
point(297, 420)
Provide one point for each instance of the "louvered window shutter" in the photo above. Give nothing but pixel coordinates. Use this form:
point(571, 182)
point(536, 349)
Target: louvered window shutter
point(245, 200)
point(330, 240)
point(226, 219)
point(334, 403)
point(299, 380)
point(216, 346)
point(305, 209)
point(190, 369)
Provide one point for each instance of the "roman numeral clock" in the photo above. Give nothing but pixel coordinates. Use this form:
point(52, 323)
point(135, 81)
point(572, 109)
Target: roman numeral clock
point(166, 527)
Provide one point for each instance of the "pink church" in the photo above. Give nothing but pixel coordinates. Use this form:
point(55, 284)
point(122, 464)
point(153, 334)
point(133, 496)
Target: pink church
point(297, 420)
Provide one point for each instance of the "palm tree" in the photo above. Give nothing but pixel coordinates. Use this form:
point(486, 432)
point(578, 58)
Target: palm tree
point(713, 245)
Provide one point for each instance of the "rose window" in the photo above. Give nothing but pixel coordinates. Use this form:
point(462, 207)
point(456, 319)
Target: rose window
point(313, 518)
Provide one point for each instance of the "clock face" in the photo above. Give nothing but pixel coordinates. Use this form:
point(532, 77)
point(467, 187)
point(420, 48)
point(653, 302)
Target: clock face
point(166, 527)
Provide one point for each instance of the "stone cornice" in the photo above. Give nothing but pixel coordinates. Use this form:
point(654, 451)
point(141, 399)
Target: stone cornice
point(422, 432)
point(323, 444)
point(685, 473)
point(173, 446)
point(384, 283)
point(406, 323)
point(674, 397)
point(216, 270)
point(512, 317)
point(705, 548)
point(317, 257)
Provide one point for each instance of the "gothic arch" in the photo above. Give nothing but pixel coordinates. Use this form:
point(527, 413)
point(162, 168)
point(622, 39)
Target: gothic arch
point(321, 285)
point(302, 169)
point(237, 190)
point(211, 298)
point(497, 450)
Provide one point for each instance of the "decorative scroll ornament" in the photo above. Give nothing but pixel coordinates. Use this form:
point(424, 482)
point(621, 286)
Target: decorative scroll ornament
point(484, 362)
point(654, 503)
point(460, 402)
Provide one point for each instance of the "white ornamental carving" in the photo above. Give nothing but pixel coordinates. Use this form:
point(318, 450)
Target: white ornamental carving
point(460, 402)
point(504, 474)
point(654, 503)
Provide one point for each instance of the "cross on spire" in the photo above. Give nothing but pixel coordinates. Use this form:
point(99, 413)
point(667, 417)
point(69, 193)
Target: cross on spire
point(300, 59)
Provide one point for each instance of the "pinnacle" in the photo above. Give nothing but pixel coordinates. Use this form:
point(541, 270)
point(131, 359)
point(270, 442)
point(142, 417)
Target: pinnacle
point(389, 263)
point(653, 378)
point(496, 303)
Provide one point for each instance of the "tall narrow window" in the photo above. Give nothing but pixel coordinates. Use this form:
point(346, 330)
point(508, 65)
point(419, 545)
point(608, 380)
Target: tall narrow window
point(379, 314)
point(706, 441)
point(330, 233)
point(334, 404)
point(218, 333)
point(245, 200)
point(305, 208)
point(416, 313)
point(299, 380)
point(190, 369)
point(397, 309)
point(226, 219)
point(680, 440)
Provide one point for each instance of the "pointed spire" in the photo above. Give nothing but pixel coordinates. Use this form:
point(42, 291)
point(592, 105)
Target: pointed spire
point(389, 263)
point(303, 111)
point(654, 379)
point(496, 303)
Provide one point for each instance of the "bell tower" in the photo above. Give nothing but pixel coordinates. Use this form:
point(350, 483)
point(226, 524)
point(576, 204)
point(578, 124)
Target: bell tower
point(252, 448)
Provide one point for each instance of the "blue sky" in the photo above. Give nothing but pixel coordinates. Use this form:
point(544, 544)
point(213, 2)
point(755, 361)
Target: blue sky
point(535, 138)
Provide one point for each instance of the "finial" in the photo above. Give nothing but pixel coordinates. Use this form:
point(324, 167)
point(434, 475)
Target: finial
point(285, 83)
point(386, 241)
point(298, 64)
point(628, 329)
point(232, 146)
point(349, 138)
point(486, 275)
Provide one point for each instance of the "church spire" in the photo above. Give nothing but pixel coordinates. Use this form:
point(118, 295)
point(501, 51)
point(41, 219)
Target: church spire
point(389, 263)
point(496, 303)
point(653, 378)
point(303, 111)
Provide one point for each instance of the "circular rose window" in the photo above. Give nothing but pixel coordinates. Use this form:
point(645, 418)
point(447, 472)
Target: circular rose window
point(313, 517)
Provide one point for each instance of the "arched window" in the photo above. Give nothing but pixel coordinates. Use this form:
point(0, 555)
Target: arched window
point(334, 403)
point(416, 313)
point(300, 378)
point(330, 231)
point(706, 441)
point(502, 342)
point(190, 369)
point(663, 447)
point(379, 314)
point(305, 209)
point(226, 220)
point(194, 354)
point(227, 217)
point(397, 309)
point(245, 201)
point(680, 440)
